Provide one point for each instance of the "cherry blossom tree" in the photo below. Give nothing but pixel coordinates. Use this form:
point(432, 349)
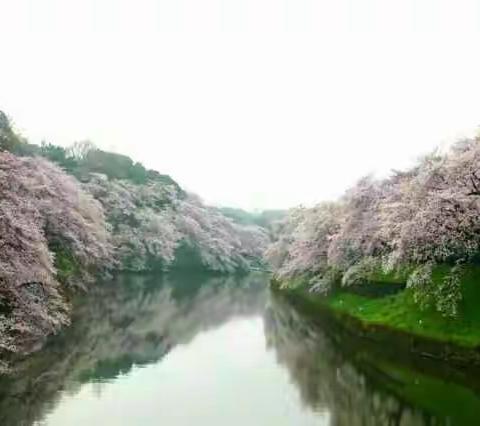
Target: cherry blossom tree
point(140, 218)
point(413, 220)
point(222, 244)
point(42, 207)
point(305, 248)
point(359, 231)
point(431, 213)
point(150, 222)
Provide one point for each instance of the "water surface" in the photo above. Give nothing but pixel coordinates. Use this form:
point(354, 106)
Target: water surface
point(199, 350)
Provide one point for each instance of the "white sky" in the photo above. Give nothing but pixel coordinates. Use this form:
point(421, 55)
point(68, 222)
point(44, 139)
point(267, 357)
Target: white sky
point(253, 103)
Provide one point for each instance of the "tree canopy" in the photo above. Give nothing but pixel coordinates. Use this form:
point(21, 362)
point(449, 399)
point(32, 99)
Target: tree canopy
point(424, 216)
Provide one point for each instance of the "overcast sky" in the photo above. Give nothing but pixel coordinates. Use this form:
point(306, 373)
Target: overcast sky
point(251, 103)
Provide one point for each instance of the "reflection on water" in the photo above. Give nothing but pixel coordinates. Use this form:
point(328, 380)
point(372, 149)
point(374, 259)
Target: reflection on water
point(365, 384)
point(183, 350)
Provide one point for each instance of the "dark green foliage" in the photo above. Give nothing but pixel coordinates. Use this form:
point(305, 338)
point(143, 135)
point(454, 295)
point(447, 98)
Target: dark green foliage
point(243, 217)
point(109, 369)
point(115, 166)
point(65, 263)
point(187, 258)
point(9, 140)
point(267, 217)
point(6, 140)
point(58, 155)
point(118, 166)
point(25, 149)
point(82, 158)
point(239, 215)
point(5, 305)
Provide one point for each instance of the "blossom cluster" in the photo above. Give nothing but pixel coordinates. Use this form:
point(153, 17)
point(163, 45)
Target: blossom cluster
point(428, 214)
point(41, 210)
point(50, 222)
point(151, 222)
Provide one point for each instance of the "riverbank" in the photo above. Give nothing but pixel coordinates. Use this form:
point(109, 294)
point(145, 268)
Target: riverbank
point(397, 321)
point(448, 393)
point(72, 217)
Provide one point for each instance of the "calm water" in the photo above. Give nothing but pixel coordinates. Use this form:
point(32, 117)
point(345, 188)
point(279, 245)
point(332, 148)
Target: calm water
point(193, 350)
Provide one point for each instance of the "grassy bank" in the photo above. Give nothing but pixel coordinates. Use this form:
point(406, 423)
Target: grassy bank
point(399, 312)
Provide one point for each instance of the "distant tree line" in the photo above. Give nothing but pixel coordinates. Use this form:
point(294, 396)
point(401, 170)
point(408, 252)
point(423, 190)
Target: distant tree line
point(265, 218)
point(81, 158)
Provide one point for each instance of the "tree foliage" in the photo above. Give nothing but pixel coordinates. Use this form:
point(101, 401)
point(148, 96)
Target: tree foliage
point(151, 222)
point(81, 158)
point(41, 207)
point(424, 216)
point(94, 210)
point(223, 245)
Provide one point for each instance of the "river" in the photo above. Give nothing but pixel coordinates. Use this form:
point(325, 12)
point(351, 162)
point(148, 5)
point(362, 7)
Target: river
point(189, 349)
